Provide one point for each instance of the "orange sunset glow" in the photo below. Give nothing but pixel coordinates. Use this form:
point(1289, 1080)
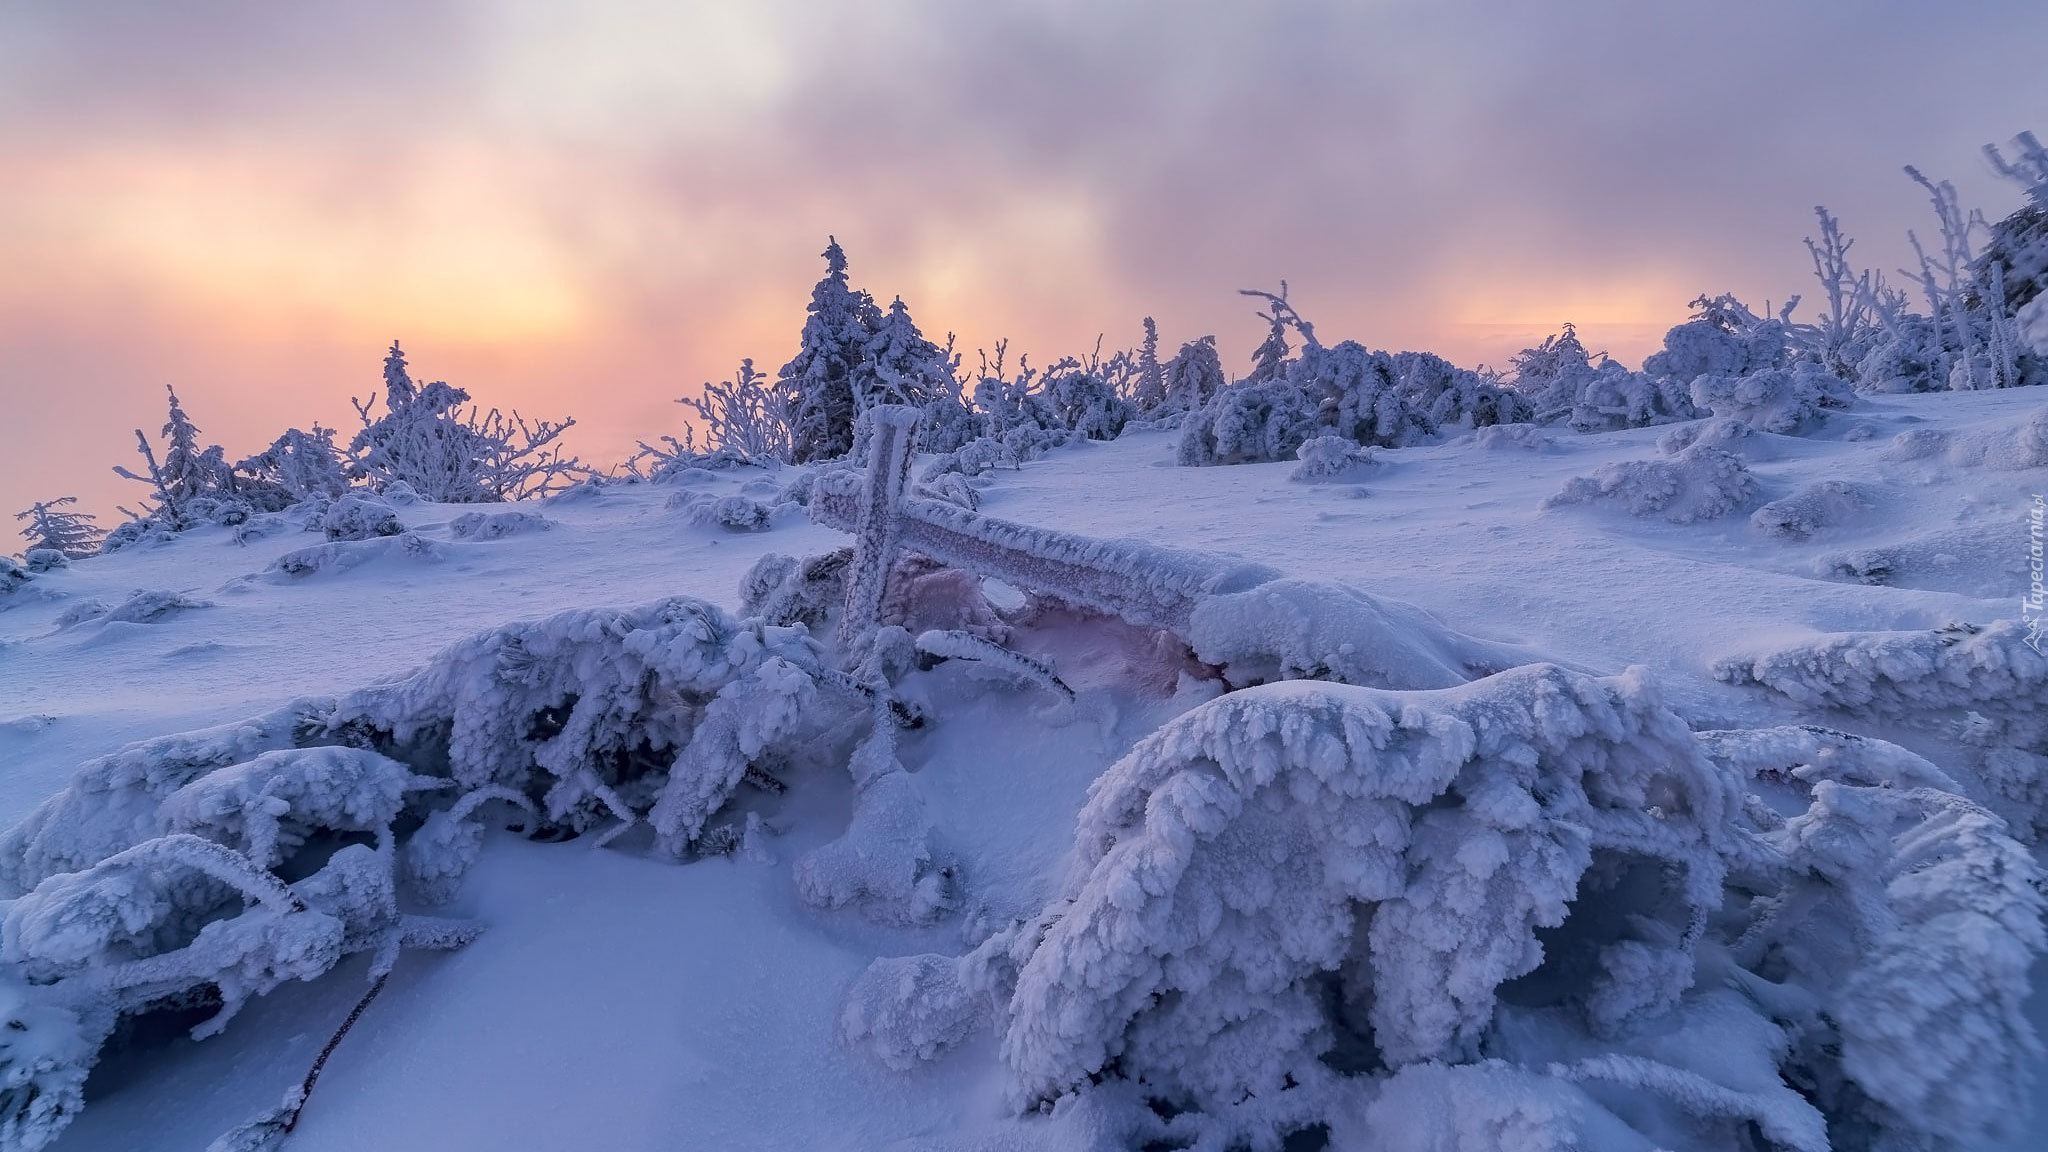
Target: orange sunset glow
point(589, 211)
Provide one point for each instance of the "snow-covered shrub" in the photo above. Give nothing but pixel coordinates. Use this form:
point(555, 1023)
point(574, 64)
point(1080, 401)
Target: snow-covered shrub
point(1724, 338)
point(1614, 397)
point(1890, 927)
point(360, 516)
point(1985, 688)
point(1719, 432)
point(1701, 482)
point(497, 525)
point(1083, 400)
point(71, 535)
point(974, 458)
point(732, 513)
point(1782, 400)
point(783, 590)
point(14, 576)
point(1445, 396)
point(1283, 840)
point(743, 417)
point(158, 876)
point(1298, 899)
point(1249, 423)
point(45, 1053)
point(1551, 374)
point(131, 533)
point(153, 605)
point(1359, 395)
point(1559, 378)
point(337, 556)
point(424, 440)
point(1816, 506)
point(40, 560)
point(952, 487)
point(1329, 458)
point(1906, 356)
point(297, 466)
point(602, 715)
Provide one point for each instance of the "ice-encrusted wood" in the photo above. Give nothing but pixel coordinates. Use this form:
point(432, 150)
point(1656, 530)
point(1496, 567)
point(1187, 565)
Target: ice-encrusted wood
point(1145, 584)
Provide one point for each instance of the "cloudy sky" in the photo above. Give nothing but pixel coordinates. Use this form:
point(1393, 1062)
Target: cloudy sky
point(588, 208)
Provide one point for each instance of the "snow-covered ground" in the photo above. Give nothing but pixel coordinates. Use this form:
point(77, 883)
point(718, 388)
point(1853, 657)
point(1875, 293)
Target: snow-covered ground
point(618, 1000)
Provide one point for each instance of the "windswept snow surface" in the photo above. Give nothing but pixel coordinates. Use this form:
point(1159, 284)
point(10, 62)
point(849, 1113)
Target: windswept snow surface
point(617, 999)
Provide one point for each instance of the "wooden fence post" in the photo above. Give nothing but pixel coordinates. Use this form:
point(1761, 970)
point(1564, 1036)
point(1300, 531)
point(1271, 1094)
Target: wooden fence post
point(892, 434)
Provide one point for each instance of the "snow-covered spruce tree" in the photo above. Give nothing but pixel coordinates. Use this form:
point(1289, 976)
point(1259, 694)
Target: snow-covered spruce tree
point(1148, 392)
point(816, 387)
point(899, 366)
point(1301, 898)
point(191, 485)
point(71, 535)
point(1194, 376)
point(424, 440)
point(297, 466)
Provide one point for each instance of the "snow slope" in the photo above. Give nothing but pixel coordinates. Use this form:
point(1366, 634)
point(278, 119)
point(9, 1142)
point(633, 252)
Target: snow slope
point(620, 1001)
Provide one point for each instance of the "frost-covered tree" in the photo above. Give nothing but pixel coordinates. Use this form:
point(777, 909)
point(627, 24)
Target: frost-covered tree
point(1194, 375)
point(898, 365)
point(1972, 321)
point(816, 387)
point(1844, 334)
point(190, 482)
point(424, 439)
point(1149, 390)
point(51, 528)
point(743, 417)
point(297, 466)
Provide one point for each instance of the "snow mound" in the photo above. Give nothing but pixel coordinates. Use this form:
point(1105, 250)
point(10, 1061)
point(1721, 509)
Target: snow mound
point(732, 513)
point(1787, 401)
point(1819, 505)
point(360, 516)
point(497, 525)
point(1700, 483)
point(1513, 437)
point(1974, 561)
point(1297, 630)
point(337, 556)
point(1719, 432)
point(1332, 458)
